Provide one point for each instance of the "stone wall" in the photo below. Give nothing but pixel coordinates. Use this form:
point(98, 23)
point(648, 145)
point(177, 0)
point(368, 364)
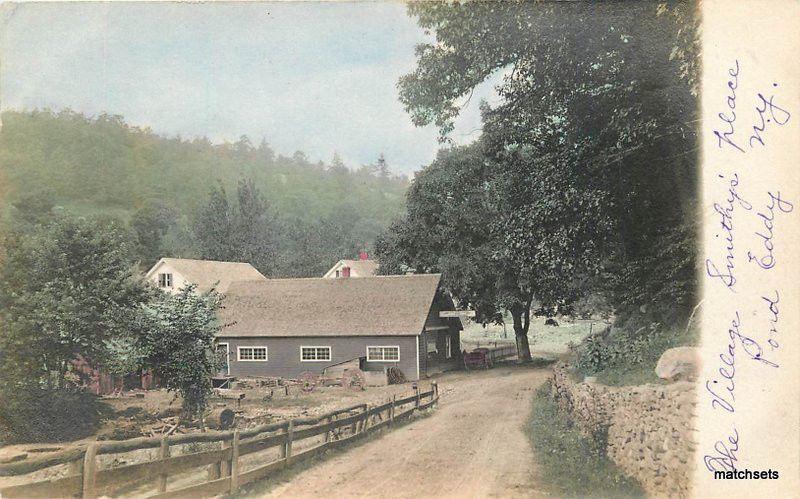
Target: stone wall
point(647, 431)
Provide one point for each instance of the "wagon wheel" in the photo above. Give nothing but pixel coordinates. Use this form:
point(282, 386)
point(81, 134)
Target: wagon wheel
point(353, 379)
point(308, 381)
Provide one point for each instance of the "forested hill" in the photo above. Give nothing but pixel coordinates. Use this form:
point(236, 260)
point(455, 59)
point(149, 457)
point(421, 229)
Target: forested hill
point(102, 165)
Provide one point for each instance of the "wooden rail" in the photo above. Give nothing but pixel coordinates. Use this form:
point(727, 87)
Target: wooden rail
point(224, 471)
point(497, 353)
point(486, 357)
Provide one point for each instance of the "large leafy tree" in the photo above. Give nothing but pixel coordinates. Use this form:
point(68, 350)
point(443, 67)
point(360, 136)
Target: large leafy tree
point(464, 219)
point(66, 289)
point(177, 344)
point(595, 129)
point(446, 230)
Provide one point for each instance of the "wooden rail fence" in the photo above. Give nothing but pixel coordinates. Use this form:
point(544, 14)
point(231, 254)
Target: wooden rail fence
point(502, 352)
point(224, 473)
point(486, 357)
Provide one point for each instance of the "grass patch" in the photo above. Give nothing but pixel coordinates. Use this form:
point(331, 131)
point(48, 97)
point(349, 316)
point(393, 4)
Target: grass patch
point(570, 465)
point(630, 375)
point(538, 362)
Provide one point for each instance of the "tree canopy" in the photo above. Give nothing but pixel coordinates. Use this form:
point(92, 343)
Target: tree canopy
point(66, 289)
point(177, 344)
point(584, 178)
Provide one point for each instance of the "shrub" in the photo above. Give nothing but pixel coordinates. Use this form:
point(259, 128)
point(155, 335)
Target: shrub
point(34, 414)
point(625, 356)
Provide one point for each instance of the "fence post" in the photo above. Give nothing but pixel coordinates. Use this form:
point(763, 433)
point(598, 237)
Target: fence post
point(89, 470)
point(435, 394)
point(391, 412)
point(282, 447)
point(416, 402)
point(213, 471)
point(225, 464)
point(163, 454)
point(365, 424)
point(235, 462)
point(357, 426)
point(328, 421)
point(76, 467)
point(289, 436)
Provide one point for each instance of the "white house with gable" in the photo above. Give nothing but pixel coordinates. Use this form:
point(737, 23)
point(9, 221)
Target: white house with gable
point(363, 267)
point(171, 274)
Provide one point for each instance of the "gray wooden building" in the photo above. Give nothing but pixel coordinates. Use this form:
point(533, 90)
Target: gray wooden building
point(284, 327)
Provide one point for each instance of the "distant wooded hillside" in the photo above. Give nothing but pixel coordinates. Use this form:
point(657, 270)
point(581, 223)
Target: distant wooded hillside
point(64, 161)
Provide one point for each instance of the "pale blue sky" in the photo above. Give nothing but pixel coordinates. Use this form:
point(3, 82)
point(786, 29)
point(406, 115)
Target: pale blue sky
point(318, 77)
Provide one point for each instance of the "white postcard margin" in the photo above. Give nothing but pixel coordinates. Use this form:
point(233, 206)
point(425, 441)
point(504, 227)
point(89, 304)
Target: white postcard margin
point(749, 390)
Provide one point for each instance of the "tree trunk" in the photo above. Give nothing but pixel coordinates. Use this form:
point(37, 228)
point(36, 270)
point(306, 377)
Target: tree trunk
point(61, 382)
point(521, 325)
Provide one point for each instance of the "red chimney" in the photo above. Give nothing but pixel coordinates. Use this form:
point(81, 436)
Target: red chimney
point(345, 271)
point(362, 255)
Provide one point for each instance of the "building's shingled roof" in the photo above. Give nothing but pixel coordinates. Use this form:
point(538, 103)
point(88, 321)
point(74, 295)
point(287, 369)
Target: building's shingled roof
point(358, 268)
point(209, 273)
point(367, 306)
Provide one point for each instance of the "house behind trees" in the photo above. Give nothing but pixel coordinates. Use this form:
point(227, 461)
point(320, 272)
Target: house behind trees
point(363, 267)
point(171, 274)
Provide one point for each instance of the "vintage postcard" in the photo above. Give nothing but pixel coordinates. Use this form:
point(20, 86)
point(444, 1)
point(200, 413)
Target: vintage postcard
point(450, 248)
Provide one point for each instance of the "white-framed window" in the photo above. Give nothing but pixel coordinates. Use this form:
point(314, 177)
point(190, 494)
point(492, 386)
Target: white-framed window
point(164, 280)
point(252, 354)
point(383, 354)
point(315, 354)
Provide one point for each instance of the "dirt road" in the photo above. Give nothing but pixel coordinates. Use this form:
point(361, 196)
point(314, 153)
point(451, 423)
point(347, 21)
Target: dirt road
point(473, 445)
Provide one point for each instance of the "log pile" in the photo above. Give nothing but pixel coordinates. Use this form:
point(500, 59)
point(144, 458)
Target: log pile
point(221, 418)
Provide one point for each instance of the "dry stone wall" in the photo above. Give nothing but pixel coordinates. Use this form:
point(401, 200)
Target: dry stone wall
point(647, 431)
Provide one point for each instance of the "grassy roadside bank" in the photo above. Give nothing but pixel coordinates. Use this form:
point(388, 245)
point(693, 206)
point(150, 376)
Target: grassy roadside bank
point(569, 465)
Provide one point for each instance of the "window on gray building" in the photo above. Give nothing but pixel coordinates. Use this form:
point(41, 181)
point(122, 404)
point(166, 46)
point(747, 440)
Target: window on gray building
point(383, 354)
point(315, 354)
point(252, 353)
